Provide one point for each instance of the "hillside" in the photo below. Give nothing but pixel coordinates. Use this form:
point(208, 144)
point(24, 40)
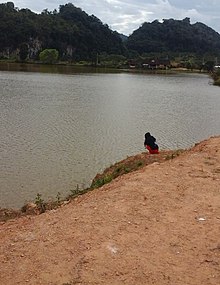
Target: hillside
point(81, 37)
point(75, 34)
point(158, 225)
point(174, 36)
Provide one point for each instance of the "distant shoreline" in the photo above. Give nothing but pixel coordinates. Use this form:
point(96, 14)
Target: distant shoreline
point(98, 68)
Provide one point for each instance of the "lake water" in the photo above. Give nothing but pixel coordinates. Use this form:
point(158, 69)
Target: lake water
point(59, 130)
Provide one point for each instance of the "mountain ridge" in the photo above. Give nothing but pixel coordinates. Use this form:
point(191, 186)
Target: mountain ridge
point(79, 36)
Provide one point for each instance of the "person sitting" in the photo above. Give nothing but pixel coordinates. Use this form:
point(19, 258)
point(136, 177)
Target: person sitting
point(150, 144)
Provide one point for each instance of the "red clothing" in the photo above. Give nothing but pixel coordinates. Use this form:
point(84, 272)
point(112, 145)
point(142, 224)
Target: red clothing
point(152, 151)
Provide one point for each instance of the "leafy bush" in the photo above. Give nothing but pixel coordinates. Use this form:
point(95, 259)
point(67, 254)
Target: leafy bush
point(49, 56)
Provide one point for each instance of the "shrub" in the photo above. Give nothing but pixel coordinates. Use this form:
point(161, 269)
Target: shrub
point(49, 55)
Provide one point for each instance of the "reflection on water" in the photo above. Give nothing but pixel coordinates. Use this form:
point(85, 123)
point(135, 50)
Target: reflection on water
point(47, 68)
point(60, 130)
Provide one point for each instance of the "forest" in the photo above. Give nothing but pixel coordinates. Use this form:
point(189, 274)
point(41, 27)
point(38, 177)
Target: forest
point(77, 36)
point(174, 36)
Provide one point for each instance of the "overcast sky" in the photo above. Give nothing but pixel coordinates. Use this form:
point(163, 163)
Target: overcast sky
point(125, 16)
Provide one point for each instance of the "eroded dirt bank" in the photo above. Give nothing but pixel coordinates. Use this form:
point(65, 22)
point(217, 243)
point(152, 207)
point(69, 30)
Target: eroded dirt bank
point(159, 225)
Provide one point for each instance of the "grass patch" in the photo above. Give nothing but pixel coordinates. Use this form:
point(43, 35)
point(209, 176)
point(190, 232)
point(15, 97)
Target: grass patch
point(173, 154)
point(131, 164)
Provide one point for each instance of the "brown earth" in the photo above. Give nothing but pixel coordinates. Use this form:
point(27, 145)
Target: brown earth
point(158, 225)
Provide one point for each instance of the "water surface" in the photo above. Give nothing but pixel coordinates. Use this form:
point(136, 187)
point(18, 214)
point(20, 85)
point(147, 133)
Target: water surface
point(60, 130)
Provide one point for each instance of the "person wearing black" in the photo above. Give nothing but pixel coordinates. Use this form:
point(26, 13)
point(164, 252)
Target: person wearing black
point(150, 144)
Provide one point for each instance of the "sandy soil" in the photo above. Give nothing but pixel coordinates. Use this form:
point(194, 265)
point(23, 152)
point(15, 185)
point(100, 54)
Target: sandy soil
point(158, 225)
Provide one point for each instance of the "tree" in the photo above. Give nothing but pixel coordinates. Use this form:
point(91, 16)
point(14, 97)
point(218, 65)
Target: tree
point(49, 55)
point(10, 5)
point(209, 66)
point(23, 51)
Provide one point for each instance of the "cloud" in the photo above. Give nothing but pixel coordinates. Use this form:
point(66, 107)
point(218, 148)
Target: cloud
point(127, 15)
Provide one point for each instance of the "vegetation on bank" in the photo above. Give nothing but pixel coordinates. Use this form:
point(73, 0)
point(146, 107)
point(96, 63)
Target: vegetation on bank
point(49, 56)
point(216, 76)
point(131, 164)
point(125, 166)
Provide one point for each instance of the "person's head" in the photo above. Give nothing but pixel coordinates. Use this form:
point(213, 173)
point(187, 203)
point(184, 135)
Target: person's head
point(147, 135)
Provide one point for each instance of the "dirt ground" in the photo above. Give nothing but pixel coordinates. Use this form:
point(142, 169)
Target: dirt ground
point(158, 225)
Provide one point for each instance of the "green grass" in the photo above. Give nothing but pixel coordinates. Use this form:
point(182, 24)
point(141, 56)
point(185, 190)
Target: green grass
point(174, 154)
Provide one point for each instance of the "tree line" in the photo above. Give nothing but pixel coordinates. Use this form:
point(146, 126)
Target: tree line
point(77, 36)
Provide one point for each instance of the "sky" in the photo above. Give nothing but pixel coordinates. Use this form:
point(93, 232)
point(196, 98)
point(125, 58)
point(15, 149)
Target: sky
point(125, 16)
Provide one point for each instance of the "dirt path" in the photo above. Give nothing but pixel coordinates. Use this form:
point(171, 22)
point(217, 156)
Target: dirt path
point(159, 225)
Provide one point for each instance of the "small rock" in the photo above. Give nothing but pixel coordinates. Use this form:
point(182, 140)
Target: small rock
point(201, 219)
point(30, 208)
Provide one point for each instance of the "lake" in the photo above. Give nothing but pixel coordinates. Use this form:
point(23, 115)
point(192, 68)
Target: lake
point(60, 128)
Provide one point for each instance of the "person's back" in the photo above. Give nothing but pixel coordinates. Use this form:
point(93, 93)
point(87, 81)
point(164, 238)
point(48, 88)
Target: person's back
point(150, 143)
